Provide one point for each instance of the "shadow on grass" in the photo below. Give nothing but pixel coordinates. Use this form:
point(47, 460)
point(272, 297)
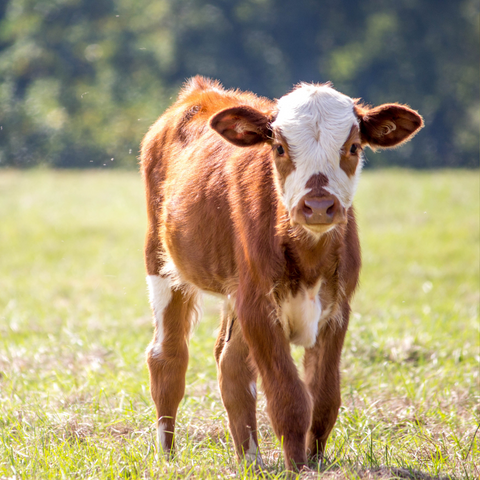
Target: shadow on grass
point(342, 472)
point(335, 472)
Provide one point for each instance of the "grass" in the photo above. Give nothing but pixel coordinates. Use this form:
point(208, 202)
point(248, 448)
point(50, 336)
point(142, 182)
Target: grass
point(75, 321)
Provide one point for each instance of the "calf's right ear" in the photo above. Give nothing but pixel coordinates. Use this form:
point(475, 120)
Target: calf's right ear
point(243, 126)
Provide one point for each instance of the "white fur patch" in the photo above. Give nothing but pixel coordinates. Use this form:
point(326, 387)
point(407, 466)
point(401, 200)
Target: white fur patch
point(252, 455)
point(253, 389)
point(170, 270)
point(161, 438)
point(316, 121)
point(160, 293)
point(300, 316)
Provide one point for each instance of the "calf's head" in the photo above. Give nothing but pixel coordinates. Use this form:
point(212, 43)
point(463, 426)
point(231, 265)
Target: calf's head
point(317, 136)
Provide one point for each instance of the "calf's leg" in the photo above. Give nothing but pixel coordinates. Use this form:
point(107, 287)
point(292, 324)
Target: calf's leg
point(322, 375)
point(288, 401)
point(237, 381)
point(167, 354)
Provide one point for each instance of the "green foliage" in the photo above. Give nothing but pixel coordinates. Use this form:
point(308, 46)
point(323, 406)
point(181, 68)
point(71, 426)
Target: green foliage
point(77, 85)
point(80, 82)
point(75, 322)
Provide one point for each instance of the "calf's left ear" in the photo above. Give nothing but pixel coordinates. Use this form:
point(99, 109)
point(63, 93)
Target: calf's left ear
point(243, 126)
point(387, 125)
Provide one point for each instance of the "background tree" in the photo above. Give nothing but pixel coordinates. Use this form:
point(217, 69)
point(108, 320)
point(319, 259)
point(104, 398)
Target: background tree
point(82, 80)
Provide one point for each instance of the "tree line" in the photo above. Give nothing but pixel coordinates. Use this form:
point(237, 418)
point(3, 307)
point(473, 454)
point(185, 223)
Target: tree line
point(81, 81)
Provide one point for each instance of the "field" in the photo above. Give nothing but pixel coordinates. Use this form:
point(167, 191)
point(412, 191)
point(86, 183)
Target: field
point(75, 322)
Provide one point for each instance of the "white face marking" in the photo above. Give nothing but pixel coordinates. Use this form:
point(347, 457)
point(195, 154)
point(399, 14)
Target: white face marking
point(316, 121)
point(300, 316)
point(161, 438)
point(252, 455)
point(160, 293)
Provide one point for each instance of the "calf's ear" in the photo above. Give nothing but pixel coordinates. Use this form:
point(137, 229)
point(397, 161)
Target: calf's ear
point(387, 125)
point(243, 126)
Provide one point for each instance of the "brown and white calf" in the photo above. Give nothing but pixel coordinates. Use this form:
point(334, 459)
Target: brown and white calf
point(251, 199)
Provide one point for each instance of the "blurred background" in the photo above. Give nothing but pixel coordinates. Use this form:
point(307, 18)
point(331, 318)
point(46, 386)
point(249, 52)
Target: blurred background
point(81, 81)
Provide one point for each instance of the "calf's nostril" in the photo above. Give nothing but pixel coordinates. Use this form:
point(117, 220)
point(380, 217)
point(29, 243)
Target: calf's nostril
point(307, 209)
point(330, 210)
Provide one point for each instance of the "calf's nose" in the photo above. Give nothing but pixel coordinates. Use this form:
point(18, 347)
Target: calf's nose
point(322, 211)
point(319, 210)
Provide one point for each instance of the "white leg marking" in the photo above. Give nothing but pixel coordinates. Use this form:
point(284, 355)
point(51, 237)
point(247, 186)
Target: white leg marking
point(160, 293)
point(161, 439)
point(252, 455)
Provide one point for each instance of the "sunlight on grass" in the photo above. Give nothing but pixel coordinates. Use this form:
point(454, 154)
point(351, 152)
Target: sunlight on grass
point(75, 322)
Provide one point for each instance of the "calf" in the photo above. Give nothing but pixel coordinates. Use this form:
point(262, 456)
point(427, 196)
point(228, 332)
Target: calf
point(251, 199)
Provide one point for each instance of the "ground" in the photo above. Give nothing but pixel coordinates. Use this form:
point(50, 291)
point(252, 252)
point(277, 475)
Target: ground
point(75, 322)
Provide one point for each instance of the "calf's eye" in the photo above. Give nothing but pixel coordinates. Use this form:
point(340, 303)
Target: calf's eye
point(280, 150)
point(354, 149)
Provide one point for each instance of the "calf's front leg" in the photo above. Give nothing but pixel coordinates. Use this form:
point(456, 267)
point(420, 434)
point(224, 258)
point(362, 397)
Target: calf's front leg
point(322, 375)
point(288, 401)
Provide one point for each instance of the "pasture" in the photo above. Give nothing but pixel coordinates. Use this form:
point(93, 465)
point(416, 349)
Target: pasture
point(75, 322)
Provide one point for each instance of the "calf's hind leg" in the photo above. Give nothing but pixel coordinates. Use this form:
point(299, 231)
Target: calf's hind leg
point(167, 354)
point(237, 381)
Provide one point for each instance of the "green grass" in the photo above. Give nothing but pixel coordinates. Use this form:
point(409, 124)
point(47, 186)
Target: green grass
point(75, 321)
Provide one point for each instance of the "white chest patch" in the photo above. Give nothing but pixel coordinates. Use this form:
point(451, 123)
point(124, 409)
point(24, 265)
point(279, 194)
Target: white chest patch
point(300, 316)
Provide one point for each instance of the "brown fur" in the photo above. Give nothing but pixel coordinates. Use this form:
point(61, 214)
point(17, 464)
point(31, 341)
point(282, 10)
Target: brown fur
point(214, 210)
point(283, 163)
point(349, 161)
point(235, 377)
